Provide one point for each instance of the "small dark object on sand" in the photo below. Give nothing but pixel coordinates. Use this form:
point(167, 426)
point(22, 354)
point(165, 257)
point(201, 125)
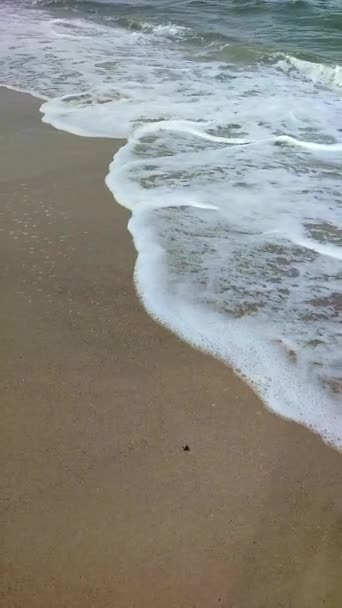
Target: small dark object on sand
point(186, 448)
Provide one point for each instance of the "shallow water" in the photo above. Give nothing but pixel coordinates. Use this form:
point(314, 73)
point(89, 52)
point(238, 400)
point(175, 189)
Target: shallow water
point(232, 170)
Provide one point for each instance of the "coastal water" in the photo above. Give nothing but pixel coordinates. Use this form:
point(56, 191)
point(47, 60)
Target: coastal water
point(232, 170)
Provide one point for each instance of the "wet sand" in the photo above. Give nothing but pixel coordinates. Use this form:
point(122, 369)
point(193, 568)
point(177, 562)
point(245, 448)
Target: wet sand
point(101, 506)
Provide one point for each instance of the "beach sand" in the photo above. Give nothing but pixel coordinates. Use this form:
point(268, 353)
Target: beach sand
point(101, 506)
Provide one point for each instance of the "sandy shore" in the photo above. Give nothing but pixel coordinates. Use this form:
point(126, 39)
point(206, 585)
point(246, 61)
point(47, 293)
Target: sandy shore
point(101, 506)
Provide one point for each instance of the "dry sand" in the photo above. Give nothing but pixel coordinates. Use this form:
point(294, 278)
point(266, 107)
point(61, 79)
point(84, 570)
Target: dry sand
point(101, 507)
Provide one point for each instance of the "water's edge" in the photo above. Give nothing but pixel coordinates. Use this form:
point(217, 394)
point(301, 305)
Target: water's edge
point(156, 300)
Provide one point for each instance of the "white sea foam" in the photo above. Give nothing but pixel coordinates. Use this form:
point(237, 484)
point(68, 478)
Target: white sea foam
point(329, 250)
point(242, 279)
point(260, 356)
point(233, 176)
point(168, 30)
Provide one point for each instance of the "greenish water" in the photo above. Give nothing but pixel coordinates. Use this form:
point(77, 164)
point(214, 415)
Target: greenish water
point(311, 27)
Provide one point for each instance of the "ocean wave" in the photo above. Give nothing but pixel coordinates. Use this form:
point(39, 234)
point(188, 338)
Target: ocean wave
point(169, 30)
point(80, 3)
point(319, 73)
point(47, 3)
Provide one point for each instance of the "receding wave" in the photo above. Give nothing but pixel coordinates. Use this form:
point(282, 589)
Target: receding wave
point(231, 262)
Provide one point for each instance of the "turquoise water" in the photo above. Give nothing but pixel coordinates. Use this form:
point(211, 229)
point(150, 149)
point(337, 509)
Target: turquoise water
point(232, 170)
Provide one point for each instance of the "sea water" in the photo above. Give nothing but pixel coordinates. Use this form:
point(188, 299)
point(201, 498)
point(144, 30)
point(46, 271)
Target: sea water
point(232, 112)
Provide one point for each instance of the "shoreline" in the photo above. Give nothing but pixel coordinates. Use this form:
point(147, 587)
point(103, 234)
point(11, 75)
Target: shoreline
point(102, 505)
